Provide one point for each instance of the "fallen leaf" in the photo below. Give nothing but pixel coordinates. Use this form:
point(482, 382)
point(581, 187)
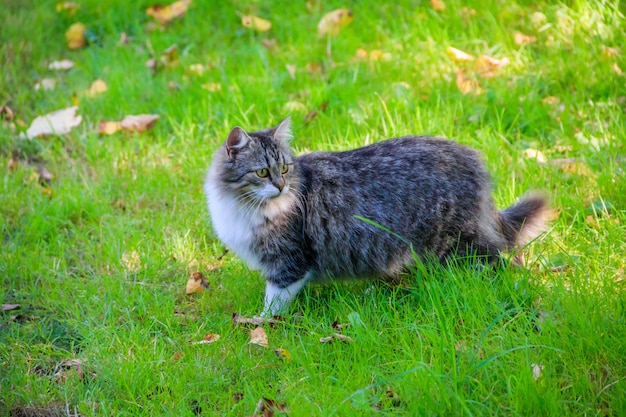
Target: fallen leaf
point(170, 57)
point(139, 123)
point(538, 19)
point(75, 100)
point(291, 69)
point(467, 85)
point(123, 39)
point(467, 13)
point(610, 51)
point(283, 354)
point(361, 53)
point(438, 5)
point(131, 261)
point(165, 14)
point(314, 68)
point(177, 356)
point(310, 116)
point(75, 36)
point(255, 321)
point(14, 162)
point(209, 338)
point(212, 87)
point(65, 366)
point(535, 154)
point(294, 106)
point(62, 65)
point(332, 23)
point(338, 326)
point(551, 100)
point(6, 112)
point(270, 44)
point(266, 407)
point(97, 87)
point(10, 307)
point(109, 127)
point(336, 336)
point(196, 69)
point(69, 6)
point(152, 64)
point(47, 191)
point(521, 39)
point(487, 66)
point(59, 122)
point(46, 84)
point(617, 69)
point(459, 56)
point(256, 23)
point(572, 166)
point(536, 370)
point(196, 283)
point(259, 337)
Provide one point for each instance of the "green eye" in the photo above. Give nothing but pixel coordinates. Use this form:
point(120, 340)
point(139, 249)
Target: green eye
point(263, 172)
point(284, 168)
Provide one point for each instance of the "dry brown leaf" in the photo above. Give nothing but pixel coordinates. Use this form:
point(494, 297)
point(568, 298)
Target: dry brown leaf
point(165, 14)
point(123, 39)
point(177, 356)
point(487, 66)
point(536, 155)
point(521, 39)
point(336, 336)
point(66, 366)
point(44, 176)
point(291, 70)
point(438, 5)
point(254, 321)
point(338, 326)
point(256, 23)
point(266, 407)
point(63, 65)
point(572, 166)
point(10, 307)
point(196, 283)
point(259, 337)
point(59, 122)
point(139, 123)
point(109, 127)
point(209, 338)
point(459, 56)
point(332, 23)
point(97, 87)
point(7, 113)
point(14, 162)
point(467, 13)
point(75, 36)
point(270, 44)
point(314, 68)
point(467, 85)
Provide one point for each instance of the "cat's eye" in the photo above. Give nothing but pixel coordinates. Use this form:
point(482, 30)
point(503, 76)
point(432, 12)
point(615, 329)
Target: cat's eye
point(263, 172)
point(284, 168)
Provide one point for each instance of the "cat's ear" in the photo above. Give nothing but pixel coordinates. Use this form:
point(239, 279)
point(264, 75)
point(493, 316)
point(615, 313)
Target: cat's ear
point(237, 139)
point(282, 132)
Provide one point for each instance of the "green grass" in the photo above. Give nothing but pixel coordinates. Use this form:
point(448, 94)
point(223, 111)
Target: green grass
point(445, 341)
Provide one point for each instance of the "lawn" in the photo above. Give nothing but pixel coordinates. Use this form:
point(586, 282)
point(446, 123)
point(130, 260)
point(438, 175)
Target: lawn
point(100, 232)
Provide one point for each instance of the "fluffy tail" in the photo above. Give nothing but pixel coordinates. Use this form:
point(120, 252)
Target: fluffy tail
point(525, 220)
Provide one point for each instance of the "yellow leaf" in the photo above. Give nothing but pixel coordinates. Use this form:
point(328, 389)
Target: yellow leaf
point(165, 14)
point(196, 283)
point(535, 154)
point(294, 106)
point(256, 23)
point(212, 87)
point(283, 354)
point(521, 39)
point(487, 66)
point(361, 53)
point(76, 36)
point(196, 69)
point(69, 6)
point(139, 123)
point(332, 23)
point(96, 88)
point(438, 5)
point(47, 191)
point(459, 56)
point(551, 100)
point(75, 100)
point(108, 128)
point(56, 123)
point(258, 337)
point(467, 85)
point(617, 69)
point(169, 57)
point(131, 261)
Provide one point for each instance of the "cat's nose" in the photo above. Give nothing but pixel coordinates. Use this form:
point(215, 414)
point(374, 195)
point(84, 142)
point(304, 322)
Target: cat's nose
point(279, 183)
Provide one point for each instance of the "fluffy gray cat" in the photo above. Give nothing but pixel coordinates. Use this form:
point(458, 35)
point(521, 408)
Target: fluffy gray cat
point(303, 218)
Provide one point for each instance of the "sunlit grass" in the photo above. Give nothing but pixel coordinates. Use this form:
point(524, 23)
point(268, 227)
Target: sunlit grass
point(99, 267)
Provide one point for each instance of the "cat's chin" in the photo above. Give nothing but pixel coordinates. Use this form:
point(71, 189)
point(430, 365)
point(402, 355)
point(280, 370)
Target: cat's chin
point(280, 204)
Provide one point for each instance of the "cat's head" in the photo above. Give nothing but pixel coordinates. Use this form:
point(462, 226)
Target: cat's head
point(258, 166)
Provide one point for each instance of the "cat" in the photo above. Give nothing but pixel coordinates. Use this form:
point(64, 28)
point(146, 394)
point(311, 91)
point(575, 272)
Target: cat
point(358, 213)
